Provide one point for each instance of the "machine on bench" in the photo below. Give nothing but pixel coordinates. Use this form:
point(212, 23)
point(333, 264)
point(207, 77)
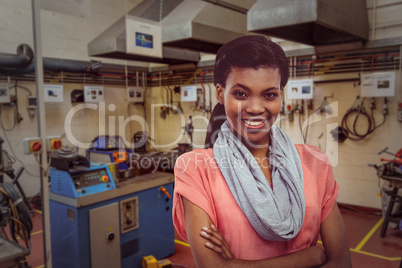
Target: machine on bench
point(98, 222)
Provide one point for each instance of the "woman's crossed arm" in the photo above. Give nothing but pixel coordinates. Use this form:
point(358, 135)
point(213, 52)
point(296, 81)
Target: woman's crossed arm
point(210, 249)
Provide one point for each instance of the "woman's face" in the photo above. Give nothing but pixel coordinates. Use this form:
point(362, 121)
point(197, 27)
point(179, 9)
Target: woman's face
point(252, 99)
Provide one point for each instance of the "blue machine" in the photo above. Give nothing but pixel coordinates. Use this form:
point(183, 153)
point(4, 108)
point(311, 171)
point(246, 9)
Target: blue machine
point(111, 149)
point(96, 222)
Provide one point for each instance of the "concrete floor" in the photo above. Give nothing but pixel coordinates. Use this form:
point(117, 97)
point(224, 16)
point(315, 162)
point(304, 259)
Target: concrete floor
point(368, 249)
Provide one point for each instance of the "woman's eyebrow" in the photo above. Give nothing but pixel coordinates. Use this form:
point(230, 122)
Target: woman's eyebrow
point(248, 89)
point(270, 89)
point(242, 86)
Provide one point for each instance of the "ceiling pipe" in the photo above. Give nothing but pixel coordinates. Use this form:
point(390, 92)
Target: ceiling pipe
point(54, 65)
point(24, 57)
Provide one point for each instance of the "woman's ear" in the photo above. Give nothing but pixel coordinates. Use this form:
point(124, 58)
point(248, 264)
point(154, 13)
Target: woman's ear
point(219, 93)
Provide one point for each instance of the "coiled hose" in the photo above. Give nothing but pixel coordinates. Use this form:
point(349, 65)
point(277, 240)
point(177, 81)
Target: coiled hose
point(351, 132)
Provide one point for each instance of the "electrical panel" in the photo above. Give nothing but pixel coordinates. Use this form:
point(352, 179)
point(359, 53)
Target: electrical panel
point(4, 93)
point(129, 219)
point(32, 102)
point(300, 89)
point(135, 95)
point(378, 84)
point(188, 93)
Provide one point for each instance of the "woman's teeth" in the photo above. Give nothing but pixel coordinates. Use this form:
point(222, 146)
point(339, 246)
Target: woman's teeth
point(254, 123)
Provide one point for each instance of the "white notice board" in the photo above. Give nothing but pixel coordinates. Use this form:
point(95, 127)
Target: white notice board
point(378, 84)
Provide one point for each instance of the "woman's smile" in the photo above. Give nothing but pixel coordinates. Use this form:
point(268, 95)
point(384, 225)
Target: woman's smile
point(254, 123)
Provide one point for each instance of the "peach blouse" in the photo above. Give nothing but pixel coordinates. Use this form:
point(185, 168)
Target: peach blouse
point(198, 178)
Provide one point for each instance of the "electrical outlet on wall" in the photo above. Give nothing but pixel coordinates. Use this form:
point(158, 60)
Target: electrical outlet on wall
point(4, 93)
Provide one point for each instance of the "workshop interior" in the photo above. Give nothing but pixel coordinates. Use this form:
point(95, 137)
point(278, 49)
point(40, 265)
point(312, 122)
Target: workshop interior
point(98, 99)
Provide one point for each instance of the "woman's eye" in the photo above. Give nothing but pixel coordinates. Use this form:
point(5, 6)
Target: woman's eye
point(270, 96)
point(240, 94)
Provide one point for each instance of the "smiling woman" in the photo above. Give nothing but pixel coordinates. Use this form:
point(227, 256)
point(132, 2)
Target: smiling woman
point(255, 199)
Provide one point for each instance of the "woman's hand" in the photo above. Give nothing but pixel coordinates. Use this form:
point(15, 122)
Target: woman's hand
point(216, 242)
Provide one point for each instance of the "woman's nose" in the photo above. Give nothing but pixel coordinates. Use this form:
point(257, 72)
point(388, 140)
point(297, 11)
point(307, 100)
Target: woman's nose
point(255, 106)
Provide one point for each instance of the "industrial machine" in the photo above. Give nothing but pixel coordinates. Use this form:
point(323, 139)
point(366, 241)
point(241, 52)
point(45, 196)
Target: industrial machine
point(391, 172)
point(98, 222)
point(15, 217)
point(15, 220)
point(111, 149)
point(128, 164)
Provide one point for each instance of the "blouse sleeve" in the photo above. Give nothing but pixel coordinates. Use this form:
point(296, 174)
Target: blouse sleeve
point(192, 182)
point(330, 195)
point(318, 166)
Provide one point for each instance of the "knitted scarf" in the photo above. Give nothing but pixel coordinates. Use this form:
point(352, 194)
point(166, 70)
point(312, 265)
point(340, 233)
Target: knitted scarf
point(276, 213)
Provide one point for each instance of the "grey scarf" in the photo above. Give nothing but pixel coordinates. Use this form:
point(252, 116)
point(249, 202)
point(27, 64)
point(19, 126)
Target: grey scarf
point(276, 213)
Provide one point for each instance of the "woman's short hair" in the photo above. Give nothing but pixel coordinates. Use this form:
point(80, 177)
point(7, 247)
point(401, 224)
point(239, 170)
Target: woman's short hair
point(250, 51)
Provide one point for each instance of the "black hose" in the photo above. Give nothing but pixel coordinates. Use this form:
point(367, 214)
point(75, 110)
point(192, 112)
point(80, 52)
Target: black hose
point(352, 133)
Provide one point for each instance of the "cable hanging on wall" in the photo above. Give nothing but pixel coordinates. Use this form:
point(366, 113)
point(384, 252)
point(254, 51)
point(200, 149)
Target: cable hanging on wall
point(349, 126)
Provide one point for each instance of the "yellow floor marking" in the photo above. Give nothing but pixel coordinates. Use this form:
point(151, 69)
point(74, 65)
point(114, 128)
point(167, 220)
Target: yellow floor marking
point(353, 250)
point(364, 241)
point(357, 249)
point(376, 255)
point(369, 234)
point(181, 243)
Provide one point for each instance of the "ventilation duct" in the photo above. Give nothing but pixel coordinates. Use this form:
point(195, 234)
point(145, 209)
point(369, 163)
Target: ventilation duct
point(24, 57)
point(23, 63)
point(311, 22)
point(112, 43)
point(202, 26)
